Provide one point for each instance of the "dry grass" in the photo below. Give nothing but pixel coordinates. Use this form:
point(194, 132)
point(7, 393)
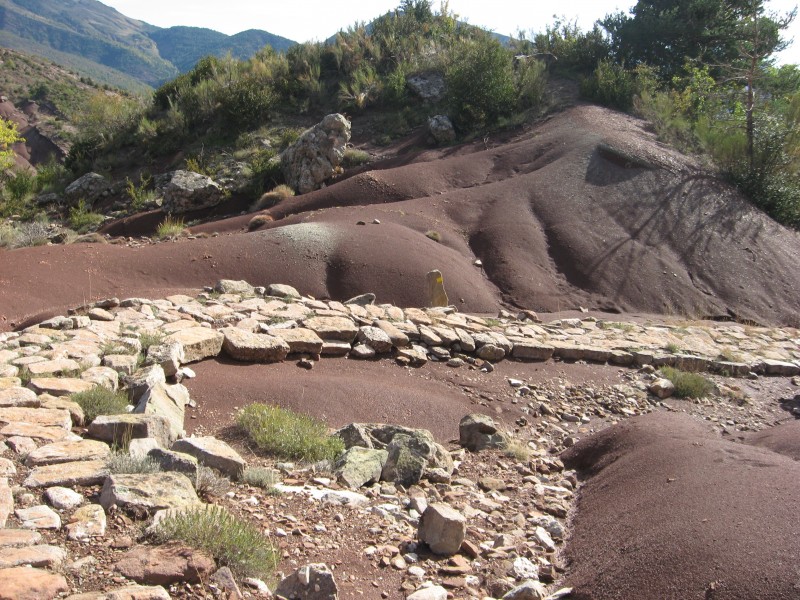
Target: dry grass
point(259, 221)
point(273, 197)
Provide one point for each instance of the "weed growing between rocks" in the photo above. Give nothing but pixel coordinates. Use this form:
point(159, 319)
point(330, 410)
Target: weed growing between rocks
point(150, 338)
point(100, 401)
point(234, 543)
point(289, 435)
point(123, 463)
point(518, 450)
point(209, 483)
point(687, 385)
point(82, 219)
point(261, 477)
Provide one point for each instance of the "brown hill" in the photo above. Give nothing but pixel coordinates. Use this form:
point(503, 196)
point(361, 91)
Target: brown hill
point(670, 510)
point(584, 210)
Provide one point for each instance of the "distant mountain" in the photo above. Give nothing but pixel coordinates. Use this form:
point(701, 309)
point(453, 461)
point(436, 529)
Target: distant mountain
point(99, 41)
point(184, 46)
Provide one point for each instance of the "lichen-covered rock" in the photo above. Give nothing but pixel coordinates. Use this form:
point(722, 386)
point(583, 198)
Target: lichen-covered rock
point(360, 466)
point(441, 129)
point(187, 191)
point(477, 432)
point(316, 155)
point(88, 188)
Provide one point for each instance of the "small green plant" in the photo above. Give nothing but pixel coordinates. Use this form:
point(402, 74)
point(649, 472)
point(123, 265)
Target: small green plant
point(140, 195)
point(354, 158)
point(198, 164)
point(121, 462)
point(434, 235)
point(170, 227)
point(150, 338)
point(100, 401)
point(25, 376)
point(673, 348)
point(687, 385)
point(261, 477)
point(289, 435)
point(730, 355)
point(82, 219)
point(233, 542)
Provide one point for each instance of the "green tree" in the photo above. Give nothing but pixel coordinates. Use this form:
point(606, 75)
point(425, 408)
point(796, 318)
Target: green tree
point(8, 137)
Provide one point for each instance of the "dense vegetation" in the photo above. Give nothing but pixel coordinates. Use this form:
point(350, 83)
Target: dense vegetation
point(700, 70)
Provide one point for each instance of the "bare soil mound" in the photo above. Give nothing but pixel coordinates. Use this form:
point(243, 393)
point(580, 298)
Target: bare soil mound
point(670, 510)
point(783, 439)
point(584, 210)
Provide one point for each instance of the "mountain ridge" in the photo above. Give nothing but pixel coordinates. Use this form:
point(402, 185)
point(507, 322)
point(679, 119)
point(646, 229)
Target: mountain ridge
point(115, 49)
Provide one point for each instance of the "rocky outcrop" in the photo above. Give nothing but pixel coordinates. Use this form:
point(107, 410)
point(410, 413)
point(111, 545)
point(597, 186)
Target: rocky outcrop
point(317, 155)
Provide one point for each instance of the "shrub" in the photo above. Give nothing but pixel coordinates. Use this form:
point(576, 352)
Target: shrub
point(82, 219)
point(170, 227)
point(531, 83)
point(150, 338)
point(234, 543)
point(518, 450)
point(687, 385)
point(260, 477)
point(139, 194)
point(121, 462)
point(35, 233)
point(100, 401)
point(289, 435)
point(611, 85)
point(480, 84)
point(208, 483)
point(259, 221)
point(354, 157)
point(270, 199)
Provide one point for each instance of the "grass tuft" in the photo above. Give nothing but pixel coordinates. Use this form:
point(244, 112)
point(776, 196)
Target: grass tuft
point(170, 227)
point(687, 385)
point(100, 401)
point(234, 543)
point(354, 158)
point(518, 450)
point(209, 483)
point(261, 477)
point(273, 197)
point(289, 435)
point(434, 235)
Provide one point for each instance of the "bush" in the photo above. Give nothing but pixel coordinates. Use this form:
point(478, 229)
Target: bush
point(289, 435)
point(687, 385)
point(82, 219)
point(480, 84)
point(232, 542)
point(100, 401)
point(208, 483)
point(260, 477)
point(611, 85)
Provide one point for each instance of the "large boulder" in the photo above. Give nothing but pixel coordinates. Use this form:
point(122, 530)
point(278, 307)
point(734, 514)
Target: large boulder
point(442, 130)
point(186, 191)
point(443, 528)
point(412, 453)
point(428, 86)
point(87, 188)
point(478, 432)
point(316, 155)
point(359, 466)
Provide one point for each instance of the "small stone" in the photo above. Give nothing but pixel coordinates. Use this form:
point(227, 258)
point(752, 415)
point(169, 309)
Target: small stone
point(529, 590)
point(523, 569)
point(434, 592)
point(62, 498)
point(310, 582)
point(163, 565)
point(86, 523)
point(662, 388)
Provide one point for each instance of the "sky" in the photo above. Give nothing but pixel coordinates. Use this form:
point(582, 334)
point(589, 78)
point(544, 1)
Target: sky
point(305, 20)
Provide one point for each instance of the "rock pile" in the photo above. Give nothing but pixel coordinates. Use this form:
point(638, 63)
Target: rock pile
point(480, 524)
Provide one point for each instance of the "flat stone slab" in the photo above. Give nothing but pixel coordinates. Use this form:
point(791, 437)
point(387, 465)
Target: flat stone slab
point(129, 592)
point(38, 517)
point(56, 386)
point(52, 368)
point(213, 453)
point(148, 492)
point(198, 343)
point(7, 468)
point(10, 538)
point(18, 397)
point(63, 498)
point(46, 417)
point(301, 340)
point(333, 328)
point(25, 583)
point(64, 452)
point(88, 472)
point(56, 403)
point(253, 347)
point(49, 557)
point(38, 432)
